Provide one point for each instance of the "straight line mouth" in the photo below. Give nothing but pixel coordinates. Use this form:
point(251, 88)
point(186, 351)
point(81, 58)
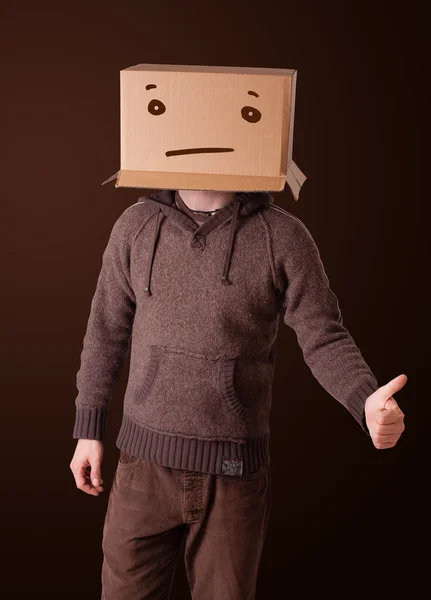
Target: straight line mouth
point(196, 151)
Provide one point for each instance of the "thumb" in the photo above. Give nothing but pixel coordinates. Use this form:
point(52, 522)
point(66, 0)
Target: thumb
point(394, 386)
point(95, 475)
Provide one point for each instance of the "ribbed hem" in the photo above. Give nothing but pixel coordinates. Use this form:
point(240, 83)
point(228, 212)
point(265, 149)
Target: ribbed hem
point(90, 423)
point(177, 452)
point(356, 402)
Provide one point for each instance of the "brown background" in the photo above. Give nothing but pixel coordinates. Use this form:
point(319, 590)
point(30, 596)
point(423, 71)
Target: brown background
point(342, 517)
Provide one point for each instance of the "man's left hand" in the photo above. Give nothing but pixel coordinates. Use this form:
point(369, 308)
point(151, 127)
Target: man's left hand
point(383, 416)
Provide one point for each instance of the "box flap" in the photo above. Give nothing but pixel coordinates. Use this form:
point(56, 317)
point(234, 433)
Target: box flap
point(220, 183)
point(295, 179)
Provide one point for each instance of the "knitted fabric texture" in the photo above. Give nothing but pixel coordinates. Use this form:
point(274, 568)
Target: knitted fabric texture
point(198, 306)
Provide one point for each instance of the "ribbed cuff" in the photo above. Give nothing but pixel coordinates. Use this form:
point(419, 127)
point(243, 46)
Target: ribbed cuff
point(90, 423)
point(355, 403)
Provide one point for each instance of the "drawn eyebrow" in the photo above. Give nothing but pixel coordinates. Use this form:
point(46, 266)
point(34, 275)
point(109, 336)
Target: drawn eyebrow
point(152, 85)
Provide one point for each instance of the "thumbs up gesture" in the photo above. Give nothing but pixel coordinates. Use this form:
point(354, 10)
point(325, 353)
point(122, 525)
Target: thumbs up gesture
point(383, 416)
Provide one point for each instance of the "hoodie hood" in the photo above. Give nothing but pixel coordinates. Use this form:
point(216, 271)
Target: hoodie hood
point(243, 205)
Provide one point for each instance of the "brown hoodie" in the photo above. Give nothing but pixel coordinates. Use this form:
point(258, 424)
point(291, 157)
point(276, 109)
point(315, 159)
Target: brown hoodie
point(199, 305)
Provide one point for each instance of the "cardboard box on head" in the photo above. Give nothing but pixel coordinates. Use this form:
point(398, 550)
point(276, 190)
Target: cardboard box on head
point(207, 128)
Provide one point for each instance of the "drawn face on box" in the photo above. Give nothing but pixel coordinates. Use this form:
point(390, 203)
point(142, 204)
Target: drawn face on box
point(206, 129)
point(250, 114)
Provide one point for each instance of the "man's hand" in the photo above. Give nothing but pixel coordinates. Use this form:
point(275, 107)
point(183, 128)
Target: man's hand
point(86, 466)
point(383, 416)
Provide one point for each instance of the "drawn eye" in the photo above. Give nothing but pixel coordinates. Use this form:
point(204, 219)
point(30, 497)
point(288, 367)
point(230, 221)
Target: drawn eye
point(250, 114)
point(156, 107)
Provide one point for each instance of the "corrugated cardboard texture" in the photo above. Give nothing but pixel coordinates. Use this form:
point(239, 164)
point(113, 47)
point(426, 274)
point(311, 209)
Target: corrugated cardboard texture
point(208, 128)
point(196, 181)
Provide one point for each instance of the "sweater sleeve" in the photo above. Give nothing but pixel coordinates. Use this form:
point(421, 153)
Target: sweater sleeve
point(107, 337)
point(311, 309)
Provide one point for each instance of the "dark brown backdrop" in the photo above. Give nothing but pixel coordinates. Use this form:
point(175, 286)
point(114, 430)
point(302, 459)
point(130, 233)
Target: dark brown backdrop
point(342, 515)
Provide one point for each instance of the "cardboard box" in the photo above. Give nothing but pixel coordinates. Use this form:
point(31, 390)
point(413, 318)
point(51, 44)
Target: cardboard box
point(207, 128)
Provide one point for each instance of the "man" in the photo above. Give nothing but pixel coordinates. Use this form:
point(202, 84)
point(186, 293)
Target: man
point(197, 282)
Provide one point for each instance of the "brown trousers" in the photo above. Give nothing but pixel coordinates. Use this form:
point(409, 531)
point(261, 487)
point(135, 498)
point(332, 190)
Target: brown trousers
point(151, 508)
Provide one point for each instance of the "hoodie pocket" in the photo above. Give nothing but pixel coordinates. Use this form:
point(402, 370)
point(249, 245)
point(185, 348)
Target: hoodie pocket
point(227, 386)
point(153, 365)
point(191, 393)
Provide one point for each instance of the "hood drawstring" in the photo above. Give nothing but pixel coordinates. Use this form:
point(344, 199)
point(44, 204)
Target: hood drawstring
point(230, 242)
point(228, 255)
point(147, 279)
